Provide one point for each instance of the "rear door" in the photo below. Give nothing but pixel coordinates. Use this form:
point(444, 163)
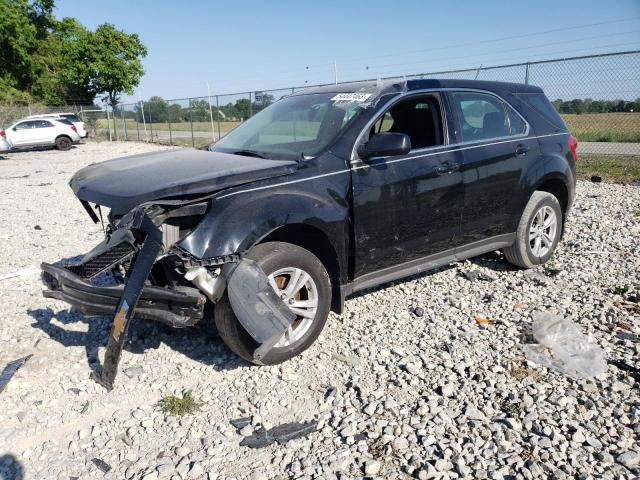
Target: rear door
point(45, 131)
point(407, 207)
point(495, 146)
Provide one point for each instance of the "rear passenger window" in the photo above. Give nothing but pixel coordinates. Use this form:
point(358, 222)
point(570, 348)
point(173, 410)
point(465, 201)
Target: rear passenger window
point(72, 118)
point(42, 124)
point(482, 116)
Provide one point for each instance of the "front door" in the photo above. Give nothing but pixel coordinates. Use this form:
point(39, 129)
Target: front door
point(407, 207)
point(23, 134)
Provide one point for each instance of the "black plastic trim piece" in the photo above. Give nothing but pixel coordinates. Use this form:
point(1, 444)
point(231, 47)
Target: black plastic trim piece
point(430, 262)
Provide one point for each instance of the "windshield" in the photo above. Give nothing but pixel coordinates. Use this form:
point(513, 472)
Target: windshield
point(294, 127)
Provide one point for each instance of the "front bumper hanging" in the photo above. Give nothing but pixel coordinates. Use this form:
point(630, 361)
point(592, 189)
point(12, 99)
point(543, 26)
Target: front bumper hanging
point(259, 310)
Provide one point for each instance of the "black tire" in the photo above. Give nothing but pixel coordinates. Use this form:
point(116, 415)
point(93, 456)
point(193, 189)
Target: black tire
point(521, 253)
point(273, 256)
point(63, 143)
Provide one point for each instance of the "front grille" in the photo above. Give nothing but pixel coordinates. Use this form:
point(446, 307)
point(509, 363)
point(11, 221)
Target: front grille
point(102, 262)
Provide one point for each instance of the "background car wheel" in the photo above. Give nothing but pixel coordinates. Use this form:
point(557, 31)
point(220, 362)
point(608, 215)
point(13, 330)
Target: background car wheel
point(302, 281)
point(538, 232)
point(63, 143)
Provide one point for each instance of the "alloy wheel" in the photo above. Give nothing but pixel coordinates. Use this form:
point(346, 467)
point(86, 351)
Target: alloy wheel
point(542, 231)
point(298, 291)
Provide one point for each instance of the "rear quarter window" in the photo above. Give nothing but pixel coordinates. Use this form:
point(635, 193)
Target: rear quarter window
point(541, 104)
point(72, 118)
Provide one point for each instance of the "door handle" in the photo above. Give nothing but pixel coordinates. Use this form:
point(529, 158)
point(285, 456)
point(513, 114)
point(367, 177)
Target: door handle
point(522, 149)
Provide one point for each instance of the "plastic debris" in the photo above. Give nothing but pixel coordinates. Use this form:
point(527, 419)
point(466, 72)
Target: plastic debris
point(240, 423)
point(596, 179)
point(280, 434)
point(10, 369)
point(473, 275)
point(101, 464)
point(482, 320)
point(563, 347)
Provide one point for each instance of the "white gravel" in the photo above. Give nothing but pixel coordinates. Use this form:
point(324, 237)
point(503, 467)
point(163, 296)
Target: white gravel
point(396, 395)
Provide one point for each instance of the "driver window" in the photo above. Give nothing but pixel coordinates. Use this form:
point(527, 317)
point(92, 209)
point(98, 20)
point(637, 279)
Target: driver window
point(417, 117)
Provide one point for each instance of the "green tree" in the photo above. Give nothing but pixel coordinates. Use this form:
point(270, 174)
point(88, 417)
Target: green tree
point(242, 109)
point(110, 62)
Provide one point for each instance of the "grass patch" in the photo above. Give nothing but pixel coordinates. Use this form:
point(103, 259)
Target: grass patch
point(511, 408)
point(604, 127)
point(172, 405)
point(620, 290)
point(612, 168)
point(637, 214)
point(606, 136)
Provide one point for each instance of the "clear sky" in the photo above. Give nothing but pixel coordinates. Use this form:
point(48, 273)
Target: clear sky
point(252, 45)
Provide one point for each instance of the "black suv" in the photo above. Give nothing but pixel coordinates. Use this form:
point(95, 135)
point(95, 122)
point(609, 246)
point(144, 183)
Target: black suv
point(326, 192)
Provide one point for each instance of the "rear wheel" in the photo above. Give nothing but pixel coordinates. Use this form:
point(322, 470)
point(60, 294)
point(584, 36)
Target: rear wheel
point(538, 232)
point(300, 279)
point(63, 143)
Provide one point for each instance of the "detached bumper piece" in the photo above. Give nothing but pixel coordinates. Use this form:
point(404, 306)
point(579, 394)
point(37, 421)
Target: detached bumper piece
point(176, 308)
point(184, 307)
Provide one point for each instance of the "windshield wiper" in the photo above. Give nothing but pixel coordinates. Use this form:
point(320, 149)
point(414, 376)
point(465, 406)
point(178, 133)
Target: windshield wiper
point(250, 153)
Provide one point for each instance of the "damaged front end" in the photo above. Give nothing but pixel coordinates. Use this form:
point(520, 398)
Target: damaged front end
point(149, 277)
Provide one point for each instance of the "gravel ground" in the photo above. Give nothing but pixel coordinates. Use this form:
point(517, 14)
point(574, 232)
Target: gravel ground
point(404, 384)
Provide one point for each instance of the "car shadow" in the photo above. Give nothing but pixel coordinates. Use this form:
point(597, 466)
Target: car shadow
point(199, 342)
point(10, 468)
point(41, 148)
point(494, 261)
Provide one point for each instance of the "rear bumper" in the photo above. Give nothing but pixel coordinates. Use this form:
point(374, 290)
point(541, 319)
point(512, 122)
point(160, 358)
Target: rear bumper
point(177, 308)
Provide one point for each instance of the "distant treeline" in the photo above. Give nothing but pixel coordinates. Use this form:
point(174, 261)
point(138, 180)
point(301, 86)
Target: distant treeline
point(158, 110)
point(578, 105)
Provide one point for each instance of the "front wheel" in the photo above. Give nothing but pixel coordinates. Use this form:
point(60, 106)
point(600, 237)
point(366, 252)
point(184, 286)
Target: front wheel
point(538, 232)
point(300, 279)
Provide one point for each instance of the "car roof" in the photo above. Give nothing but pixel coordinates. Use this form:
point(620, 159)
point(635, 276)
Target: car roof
point(49, 115)
point(389, 86)
point(29, 119)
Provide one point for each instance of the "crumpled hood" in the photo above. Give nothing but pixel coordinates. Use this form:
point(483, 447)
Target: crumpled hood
point(124, 183)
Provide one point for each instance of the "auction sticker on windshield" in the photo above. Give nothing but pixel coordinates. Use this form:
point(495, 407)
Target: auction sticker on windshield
point(351, 97)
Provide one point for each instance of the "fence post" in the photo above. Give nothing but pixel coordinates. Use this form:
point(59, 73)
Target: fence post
point(124, 122)
point(250, 107)
point(109, 124)
point(193, 142)
point(218, 111)
point(150, 123)
point(138, 127)
point(169, 123)
point(526, 74)
point(115, 125)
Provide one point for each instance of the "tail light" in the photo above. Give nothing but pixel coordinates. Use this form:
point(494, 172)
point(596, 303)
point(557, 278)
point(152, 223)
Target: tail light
point(573, 147)
point(73, 127)
point(2, 133)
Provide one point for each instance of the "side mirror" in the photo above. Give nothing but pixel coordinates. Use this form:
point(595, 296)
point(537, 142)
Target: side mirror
point(386, 144)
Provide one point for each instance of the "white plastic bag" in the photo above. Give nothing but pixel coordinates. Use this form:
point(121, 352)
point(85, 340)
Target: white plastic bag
point(563, 347)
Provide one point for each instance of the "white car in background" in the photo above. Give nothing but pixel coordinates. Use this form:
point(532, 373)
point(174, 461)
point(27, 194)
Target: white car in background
point(72, 117)
point(5, 144)
point(33, 132)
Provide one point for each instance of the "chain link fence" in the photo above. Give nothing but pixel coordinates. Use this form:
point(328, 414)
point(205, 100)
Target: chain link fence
point(597, 95)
